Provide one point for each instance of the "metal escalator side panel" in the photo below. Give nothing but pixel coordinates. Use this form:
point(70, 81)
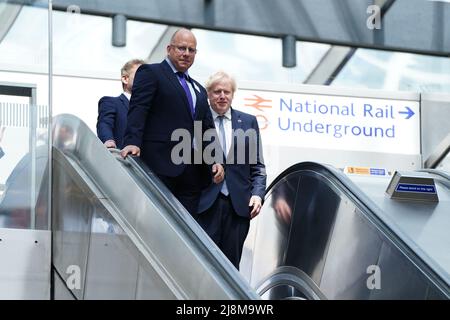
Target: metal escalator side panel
point(184, 259)
point(334, 234)
point(89, 243)
point(188, 228)
point(310, 232)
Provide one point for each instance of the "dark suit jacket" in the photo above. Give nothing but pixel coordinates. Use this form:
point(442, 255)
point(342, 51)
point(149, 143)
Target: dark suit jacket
point(158, 107)
point(112, 119)
point(243, 180)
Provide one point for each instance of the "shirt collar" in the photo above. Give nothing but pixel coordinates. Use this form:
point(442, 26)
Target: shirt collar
point(126, 94)
point(215, 114)
point(173, 67)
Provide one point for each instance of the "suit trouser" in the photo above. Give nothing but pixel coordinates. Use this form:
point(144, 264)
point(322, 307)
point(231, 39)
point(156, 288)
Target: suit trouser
point(225, 227)
point(186, 187)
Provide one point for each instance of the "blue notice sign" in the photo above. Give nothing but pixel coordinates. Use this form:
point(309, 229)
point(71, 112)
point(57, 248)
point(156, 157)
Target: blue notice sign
point(419, 188)
point(377, 172)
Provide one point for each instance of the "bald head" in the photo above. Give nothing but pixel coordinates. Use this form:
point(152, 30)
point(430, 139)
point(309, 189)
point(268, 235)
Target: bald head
point(182, 32)
point(182, 49)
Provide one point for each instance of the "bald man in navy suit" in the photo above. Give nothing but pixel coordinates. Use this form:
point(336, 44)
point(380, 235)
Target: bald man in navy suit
point(112, 111)
point(166, 99)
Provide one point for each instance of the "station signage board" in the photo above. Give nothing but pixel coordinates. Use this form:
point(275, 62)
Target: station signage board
point(334, 122)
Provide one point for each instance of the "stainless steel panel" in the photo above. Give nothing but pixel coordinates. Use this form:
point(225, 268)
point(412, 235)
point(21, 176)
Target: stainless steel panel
point(290, 283)
point(150, 286)
point(171, 257)
point(71, 223)
point(61, 292)
point(25, 264)
point(355, 245)
point(265, 246)
point(423, 227)
point(315, 210)
point(336, 235)
point(107, 258)
point(400, 279)
point(112, 269)
point(434, 294)
point(158, 252)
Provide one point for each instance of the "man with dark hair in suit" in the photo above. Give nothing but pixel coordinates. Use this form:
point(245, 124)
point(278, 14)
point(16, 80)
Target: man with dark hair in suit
point(166, 99)
point(225, 209)
point(112, 111)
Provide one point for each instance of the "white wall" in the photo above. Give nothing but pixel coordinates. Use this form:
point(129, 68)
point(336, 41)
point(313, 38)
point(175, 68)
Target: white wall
point(75, 95)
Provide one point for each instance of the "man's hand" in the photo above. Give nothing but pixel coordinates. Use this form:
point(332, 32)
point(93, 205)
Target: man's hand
point(218, 172)
point(255, 202)
point(110, 144)
point(134, 150)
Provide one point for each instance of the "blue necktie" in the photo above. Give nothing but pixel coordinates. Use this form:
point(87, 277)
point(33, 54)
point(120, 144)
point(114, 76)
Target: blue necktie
point(185, 86)
point(223, 142)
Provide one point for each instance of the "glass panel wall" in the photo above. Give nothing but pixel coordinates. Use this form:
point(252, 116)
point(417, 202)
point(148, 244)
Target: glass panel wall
point(253, 58)
point(87, 65)
point(377, 69)
point(24, 115)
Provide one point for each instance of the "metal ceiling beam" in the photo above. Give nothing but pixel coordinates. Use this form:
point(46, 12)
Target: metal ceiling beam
point(419, 26)
point(337, 56)
point(8, 14)
point(329, 64)
point(159, 51)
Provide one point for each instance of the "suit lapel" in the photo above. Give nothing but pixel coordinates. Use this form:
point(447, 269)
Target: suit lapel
point(197, 95)
point(236, 123)
point(168, 72)
point(124, 100)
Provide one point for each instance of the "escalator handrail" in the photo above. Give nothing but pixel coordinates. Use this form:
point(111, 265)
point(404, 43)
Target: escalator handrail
point(369, 209)
point(444, 177)
point(334, 174)
point(180, 214)
point(290, 275)
point(142, 170)
point(75, 140)
point(439, 153)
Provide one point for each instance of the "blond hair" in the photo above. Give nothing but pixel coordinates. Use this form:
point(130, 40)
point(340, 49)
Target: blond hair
point(125, 71)
point(218, 77)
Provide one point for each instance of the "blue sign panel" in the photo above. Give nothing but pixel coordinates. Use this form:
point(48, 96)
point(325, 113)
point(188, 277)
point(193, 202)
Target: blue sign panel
point(377, 172)
point(419, 188)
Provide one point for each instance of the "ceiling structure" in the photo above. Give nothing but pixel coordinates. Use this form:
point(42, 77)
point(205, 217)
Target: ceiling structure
point(418, 26)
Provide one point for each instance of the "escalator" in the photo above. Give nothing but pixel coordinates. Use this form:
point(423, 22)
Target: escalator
point(118, 233)
point(323, 234)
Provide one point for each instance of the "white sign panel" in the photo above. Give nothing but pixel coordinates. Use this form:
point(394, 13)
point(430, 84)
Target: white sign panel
point(334, 122)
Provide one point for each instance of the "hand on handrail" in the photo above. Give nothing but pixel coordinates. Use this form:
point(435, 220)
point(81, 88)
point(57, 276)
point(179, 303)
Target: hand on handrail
point(116, 153)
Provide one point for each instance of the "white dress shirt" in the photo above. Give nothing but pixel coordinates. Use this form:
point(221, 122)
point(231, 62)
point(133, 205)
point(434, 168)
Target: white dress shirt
point(228, 128)
point(189, 83)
